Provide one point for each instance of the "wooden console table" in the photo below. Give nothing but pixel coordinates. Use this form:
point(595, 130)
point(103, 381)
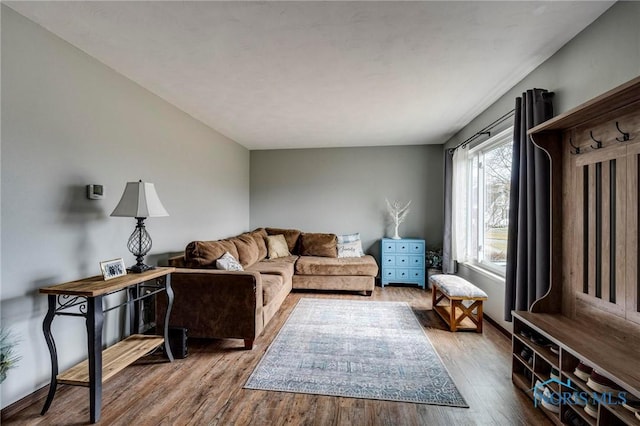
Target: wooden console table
point(83, 298)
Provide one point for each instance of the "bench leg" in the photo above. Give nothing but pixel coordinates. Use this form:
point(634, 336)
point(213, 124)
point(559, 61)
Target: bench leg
point(248, 344)
point(453, 324)
point(434, 290)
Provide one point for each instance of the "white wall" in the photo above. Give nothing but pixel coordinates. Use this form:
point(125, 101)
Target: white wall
point(68, 121)
point(605, 55)
point(343, 190)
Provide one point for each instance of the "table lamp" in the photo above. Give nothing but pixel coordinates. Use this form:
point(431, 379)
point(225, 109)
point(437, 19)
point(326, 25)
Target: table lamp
point(140, 201)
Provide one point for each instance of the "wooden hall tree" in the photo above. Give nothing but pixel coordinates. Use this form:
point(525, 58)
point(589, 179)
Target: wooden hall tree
point(592, 309)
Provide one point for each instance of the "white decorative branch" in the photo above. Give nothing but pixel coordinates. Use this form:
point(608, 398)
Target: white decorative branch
point(398, 215)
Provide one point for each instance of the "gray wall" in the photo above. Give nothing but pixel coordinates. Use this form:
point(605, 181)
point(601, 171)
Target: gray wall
point(67, 121)
point(605, 55)
point(342, 190)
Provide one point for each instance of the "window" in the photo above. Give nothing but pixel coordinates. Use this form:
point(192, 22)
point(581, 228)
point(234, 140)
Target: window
point(488, 200)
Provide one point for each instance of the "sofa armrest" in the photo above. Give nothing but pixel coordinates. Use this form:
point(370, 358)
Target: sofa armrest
point(216, 304)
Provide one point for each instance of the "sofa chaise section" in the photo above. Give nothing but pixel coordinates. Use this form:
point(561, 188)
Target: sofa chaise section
point(342, 274)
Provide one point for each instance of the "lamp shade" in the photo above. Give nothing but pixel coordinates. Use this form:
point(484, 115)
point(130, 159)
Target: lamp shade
point(139, 200)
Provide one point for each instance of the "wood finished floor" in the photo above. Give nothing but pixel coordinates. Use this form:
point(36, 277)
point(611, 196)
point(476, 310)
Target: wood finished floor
point(206, 387)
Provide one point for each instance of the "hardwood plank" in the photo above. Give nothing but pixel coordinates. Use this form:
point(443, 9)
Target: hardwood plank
point(606, 229)
point(592, 230)
point(207, 386)
point(632, 296)
point(114, 359)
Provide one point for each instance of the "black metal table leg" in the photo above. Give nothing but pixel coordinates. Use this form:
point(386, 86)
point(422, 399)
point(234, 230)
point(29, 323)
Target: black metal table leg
point(46, 328)
point(169, 290)
point(95, 318)
point(134, 309)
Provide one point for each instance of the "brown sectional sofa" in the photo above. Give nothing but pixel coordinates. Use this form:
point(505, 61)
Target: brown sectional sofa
point(213, 303)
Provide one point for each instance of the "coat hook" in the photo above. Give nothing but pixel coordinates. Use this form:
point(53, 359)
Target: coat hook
point(625, 135)
point(576, 148)
point(598, 143)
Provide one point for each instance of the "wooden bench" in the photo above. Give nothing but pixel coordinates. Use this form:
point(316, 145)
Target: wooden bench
point(454, 291)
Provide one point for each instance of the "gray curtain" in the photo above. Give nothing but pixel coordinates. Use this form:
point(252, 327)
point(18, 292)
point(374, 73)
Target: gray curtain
point(448, 265)
point(528, 250)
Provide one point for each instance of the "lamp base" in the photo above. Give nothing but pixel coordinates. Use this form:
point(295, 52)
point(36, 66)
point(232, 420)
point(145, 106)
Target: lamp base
point(137, 269)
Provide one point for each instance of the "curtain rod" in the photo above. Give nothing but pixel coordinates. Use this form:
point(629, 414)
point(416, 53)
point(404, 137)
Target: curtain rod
point(484, 131)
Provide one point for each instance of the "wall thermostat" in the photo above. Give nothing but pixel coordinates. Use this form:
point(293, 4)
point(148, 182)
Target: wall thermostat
point(95, 192)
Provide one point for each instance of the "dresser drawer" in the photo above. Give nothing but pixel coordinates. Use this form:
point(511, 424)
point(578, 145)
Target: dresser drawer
point(389, 274)
point(402, 247)
point(402, 261)
point(416, 261)
point(388, 260)
point(402, 274)
point(388, 247)
point(416, 247)
point(416, 274)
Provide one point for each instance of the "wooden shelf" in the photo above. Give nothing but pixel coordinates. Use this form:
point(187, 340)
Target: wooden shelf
point(97, 286)
point(114, 359)
point(523, 383)
point(612, 100)
point(445, 311)
point(622, 413)
point(583, 415)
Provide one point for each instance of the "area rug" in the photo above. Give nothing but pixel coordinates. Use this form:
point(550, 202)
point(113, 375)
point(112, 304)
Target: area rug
point(358, 349)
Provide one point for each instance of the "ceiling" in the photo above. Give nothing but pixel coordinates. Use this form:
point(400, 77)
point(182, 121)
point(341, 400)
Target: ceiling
point(308, 74)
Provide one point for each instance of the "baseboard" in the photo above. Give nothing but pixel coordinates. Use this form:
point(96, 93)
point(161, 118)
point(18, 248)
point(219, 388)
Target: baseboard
point(500, 328)
point(21, 404)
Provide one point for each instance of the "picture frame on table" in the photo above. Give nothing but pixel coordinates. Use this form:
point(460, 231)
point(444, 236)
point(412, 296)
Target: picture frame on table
point(113, 268)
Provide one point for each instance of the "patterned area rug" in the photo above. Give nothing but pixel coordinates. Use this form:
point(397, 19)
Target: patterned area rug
point(358, 349)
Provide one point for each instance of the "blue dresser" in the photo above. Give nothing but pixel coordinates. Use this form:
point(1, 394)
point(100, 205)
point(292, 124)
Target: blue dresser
point(403, 261)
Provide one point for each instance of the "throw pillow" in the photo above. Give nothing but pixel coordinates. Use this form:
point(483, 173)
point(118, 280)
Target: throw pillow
point(291, 235)
point(316, 244)
point(350, 238)
point(352, 249)
point(228, 263)
point(277, 246)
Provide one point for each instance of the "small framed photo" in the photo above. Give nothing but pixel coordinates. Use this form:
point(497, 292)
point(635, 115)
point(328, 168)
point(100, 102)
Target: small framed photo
point(113, 268)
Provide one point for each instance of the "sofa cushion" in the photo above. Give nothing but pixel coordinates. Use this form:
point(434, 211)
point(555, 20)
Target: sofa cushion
point(203, 254)
point(271, 286)
point(259, 235)
point(248, 251)
point(228, 263)
point(359, 266)
point(283, 266)
point(277, 246)
point(291, 235)
point(316, 244)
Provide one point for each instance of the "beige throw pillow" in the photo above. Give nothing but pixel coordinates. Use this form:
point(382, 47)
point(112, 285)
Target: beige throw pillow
point(277, 246)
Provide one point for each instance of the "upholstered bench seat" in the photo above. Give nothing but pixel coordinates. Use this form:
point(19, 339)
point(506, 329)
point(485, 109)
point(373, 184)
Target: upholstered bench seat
point(457, 302)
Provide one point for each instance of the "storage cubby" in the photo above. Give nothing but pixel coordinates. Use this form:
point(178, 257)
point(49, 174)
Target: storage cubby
point(575, 345)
